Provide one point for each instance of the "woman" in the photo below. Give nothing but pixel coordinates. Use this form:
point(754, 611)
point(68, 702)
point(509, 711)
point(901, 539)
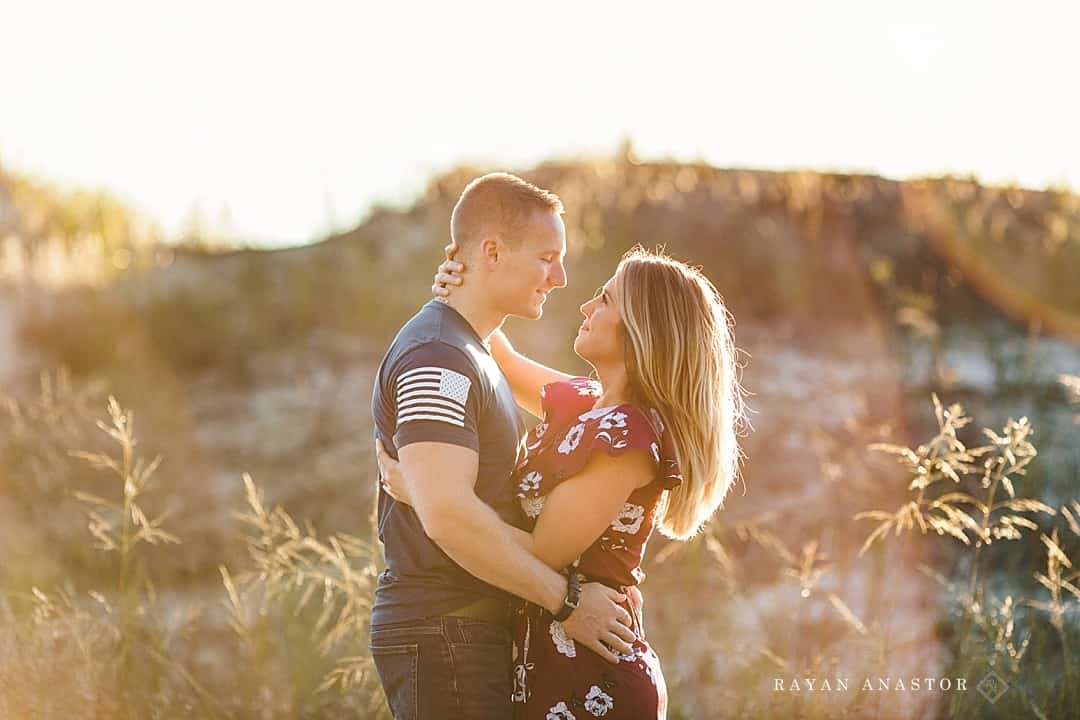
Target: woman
point(650, 443)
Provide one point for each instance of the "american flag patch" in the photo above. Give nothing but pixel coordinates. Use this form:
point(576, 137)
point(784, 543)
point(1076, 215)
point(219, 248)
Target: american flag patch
point(432, 393)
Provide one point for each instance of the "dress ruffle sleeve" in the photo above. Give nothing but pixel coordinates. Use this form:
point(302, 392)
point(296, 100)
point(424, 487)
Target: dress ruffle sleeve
point(572, 431)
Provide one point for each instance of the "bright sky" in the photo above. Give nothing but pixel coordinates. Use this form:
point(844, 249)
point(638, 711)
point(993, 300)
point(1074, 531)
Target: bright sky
point(297, 116)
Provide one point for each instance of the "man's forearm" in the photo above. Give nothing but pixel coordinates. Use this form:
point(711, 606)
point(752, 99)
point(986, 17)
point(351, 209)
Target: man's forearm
point(477, 539)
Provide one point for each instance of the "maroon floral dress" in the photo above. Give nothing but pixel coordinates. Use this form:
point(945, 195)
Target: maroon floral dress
point(554, 678)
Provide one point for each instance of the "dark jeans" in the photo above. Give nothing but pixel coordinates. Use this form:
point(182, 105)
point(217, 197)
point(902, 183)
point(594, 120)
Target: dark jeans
point(444, 667)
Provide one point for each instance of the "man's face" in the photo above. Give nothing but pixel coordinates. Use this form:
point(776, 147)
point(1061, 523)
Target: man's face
point(535, 267)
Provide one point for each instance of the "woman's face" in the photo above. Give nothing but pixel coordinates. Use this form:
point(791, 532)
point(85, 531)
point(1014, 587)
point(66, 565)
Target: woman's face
point(600, 338)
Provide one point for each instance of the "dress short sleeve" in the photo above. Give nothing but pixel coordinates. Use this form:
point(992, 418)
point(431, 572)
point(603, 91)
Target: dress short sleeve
point(567, 397)
point(611, 430)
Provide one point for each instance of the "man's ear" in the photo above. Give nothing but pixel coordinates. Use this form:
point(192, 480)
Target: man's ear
point(491, 248)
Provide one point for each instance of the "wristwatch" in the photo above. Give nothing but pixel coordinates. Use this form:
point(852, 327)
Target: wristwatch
point(573, 596)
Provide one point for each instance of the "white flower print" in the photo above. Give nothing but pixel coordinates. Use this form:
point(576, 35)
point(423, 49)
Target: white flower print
point(649, 673)
point(563, 642)
point(560, 712)
point(587, 387)
point(538, 436)
point(598, 702)
point(629, 519)
point(573, 437)
point(532, 506)
point(594, 413)
point(650, 664)
point(530, 482)
point(613, 419)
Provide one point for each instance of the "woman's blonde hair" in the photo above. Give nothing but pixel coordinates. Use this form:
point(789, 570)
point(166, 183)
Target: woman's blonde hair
point(681, 360)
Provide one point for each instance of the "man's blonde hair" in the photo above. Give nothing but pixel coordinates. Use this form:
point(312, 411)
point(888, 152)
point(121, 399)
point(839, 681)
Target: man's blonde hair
point(498, 204)
point(681, 360)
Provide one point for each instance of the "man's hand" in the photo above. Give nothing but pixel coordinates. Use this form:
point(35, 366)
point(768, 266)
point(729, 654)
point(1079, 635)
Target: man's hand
point(600, 623)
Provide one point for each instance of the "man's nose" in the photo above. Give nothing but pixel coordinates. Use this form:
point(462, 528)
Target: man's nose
point(558, 276)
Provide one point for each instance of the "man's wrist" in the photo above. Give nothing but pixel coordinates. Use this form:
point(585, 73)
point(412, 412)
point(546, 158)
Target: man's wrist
point(573, 597)
point(557, 590)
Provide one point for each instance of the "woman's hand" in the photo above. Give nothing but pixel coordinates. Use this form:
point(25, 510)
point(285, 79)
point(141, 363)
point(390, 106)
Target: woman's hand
point(391, 478)
point(448, 274)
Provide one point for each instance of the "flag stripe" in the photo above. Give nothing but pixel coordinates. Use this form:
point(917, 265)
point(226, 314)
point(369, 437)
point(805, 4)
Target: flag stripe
point(428, 380)
point(432, 393)
point(442, 418)
point(455, 408)
point(408, 387)
point(402, 397)
point(415, 371)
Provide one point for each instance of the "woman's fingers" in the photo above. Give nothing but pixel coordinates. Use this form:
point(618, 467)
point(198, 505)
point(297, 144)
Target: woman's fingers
point(450, 250)
point(450, 268)
point(381, 458)
point(380, 454)
point(447, 275)
point(446, 278)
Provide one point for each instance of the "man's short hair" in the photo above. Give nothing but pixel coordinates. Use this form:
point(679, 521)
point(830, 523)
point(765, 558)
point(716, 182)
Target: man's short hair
point(498, 204)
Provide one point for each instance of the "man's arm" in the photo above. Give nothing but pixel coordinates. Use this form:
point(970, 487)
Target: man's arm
point(441, 479)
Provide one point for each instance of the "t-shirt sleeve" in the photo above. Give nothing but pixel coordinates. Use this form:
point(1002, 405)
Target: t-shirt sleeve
point(436, 394)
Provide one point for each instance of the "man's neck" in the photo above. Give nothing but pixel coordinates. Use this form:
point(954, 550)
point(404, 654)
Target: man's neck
point(483, 319)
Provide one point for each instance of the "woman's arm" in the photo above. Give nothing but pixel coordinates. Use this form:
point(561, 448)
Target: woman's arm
point(525, 375)
point(578, 511)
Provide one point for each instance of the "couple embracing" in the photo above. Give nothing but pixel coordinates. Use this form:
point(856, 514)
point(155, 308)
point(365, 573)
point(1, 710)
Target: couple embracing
point(513, 559)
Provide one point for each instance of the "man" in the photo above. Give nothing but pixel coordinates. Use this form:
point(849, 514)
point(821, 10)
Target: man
point(439, 629)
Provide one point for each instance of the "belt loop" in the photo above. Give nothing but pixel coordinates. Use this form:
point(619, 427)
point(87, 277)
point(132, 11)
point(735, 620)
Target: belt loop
point(452, 629)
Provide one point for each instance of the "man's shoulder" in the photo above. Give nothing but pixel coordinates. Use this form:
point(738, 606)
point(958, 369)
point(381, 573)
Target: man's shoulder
point(431, 324)
point(427, 337)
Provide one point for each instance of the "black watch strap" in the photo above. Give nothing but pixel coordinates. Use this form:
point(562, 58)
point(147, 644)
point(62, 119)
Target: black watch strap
point(573, 597)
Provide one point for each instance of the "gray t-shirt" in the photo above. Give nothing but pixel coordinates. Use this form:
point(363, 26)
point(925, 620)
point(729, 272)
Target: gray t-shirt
point(439, 383)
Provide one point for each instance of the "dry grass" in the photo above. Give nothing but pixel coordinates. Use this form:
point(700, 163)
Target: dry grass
point(289, 639)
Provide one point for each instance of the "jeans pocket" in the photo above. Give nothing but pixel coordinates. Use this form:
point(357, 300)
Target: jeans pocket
point(397, 665)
